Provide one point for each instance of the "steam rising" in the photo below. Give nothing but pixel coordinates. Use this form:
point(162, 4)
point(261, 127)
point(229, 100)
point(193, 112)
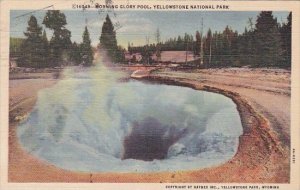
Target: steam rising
point(89, 121)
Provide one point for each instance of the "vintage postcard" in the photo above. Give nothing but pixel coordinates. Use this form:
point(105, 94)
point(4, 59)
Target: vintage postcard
point(122, 94)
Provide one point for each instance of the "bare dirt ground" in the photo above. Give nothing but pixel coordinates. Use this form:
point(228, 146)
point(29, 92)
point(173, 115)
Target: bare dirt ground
point(263, 100)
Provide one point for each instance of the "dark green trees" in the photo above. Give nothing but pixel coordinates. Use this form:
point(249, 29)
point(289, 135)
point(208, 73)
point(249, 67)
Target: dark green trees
point(220, 48)
point(86, 52)
point(60, 43)
point(267, 44)
point(158, 44)
point(259, 46)
point(33, 49)
point(46, 49)
point(15, 47)
point(108, 41)
point(263, 44)
point(108, 37)
point(82, 53)
point(267, 41)
point(208, 48)
point(36, 51)
point(197, 43)
point(286, 34)
point(75, 56)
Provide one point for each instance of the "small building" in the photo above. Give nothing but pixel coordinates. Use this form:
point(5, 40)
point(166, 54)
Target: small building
point(133, 58)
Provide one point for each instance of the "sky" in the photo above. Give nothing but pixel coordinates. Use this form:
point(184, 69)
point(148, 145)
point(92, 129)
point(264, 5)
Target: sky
point(137, 25)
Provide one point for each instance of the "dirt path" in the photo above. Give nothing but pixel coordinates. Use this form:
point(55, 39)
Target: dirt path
point(263, 154)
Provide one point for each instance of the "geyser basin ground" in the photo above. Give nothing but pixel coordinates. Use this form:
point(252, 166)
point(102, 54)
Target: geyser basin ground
point(91, 122)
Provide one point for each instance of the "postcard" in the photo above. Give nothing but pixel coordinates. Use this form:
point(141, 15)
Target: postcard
point(156, 94)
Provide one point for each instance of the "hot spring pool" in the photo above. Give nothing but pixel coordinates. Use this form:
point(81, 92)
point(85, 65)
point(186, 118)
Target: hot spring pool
point(90, 122)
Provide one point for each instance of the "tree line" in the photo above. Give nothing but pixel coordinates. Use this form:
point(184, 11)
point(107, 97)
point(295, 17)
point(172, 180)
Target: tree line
point(37, 51)
point(263, 44)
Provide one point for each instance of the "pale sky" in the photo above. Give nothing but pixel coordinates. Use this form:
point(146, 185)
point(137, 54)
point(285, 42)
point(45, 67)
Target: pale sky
point(136, 25)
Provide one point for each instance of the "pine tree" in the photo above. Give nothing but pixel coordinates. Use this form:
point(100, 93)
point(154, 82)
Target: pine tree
point(209, 37)
point(45, 49)
point(207, 48)
point(158, 45)
point(180, 45)
point(86, 49)
point(214, 47)
point(198, 43)
point(286, 35)
point(60, 42)
point(32, 49)
point(244, 46)
point(267, 40)
point(108, 39)
point(75, 54)
point(228, 36)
